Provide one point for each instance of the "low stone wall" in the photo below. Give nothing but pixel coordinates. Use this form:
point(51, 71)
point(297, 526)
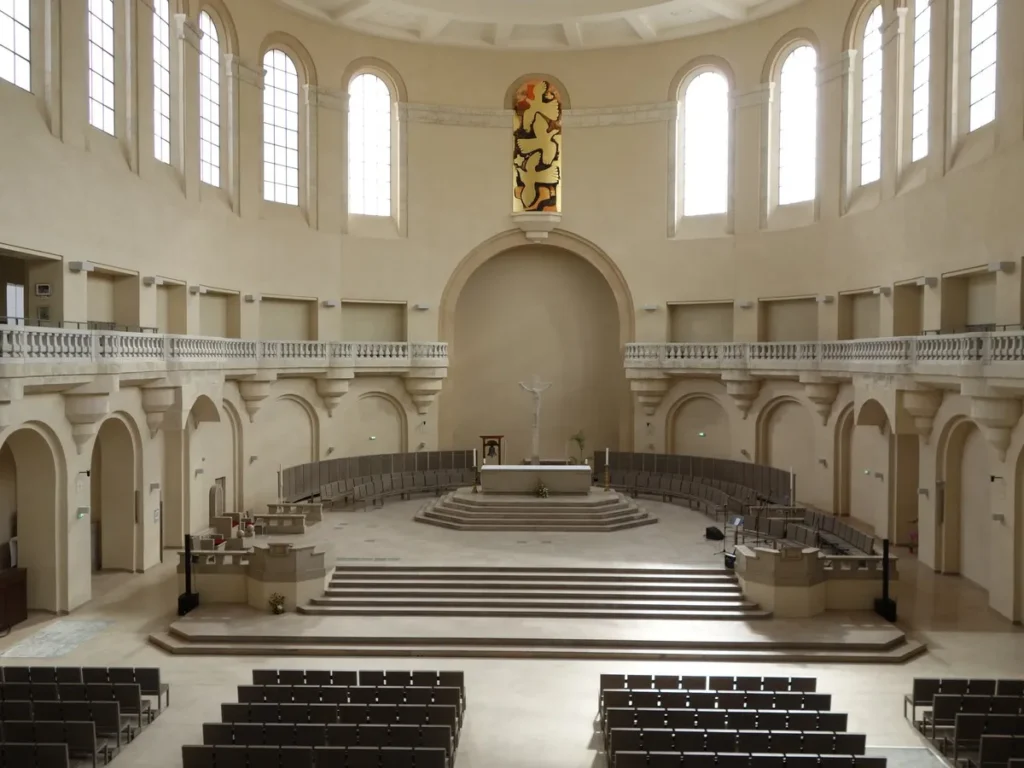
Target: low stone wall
point(800, 582)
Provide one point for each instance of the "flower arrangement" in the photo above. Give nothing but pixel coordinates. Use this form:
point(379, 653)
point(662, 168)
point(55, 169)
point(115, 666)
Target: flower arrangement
point(581, 442)
point(276, 602)
point(542, 490)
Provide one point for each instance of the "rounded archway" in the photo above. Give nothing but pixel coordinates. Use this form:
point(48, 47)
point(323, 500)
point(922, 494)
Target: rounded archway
point(379, 426)
point(535, 309)
point(32, 468)
point(842, 463)
point(786, 441)
point(112, 488)
point(284, 435)
point(699, 426)
point(871, 468)
point(208, 463)
point(962, 538)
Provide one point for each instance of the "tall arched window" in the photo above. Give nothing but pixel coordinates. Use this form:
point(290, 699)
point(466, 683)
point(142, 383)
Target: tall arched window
point(162, 80)
point(705, 145)
point(15, 43)
point(280, 129)
point(537, 147)
point(798, 126)
point(922, 80)
point(369, 146)
point(871, 100)
point(101, 64)
point(984, 25)
point(209, 101)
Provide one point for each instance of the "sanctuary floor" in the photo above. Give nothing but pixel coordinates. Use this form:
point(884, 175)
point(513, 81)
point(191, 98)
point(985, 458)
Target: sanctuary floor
point(536, 713)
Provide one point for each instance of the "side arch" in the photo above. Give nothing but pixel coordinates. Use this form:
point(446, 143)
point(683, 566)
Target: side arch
point(382, 69)
point(296, 50)
point(723, 447)
point(567, 241)
point(122, 541)
point(400, 412)
point(842, 461)
point(698, 66)
point(221, 16)
point(783, 47)
point(314, 422)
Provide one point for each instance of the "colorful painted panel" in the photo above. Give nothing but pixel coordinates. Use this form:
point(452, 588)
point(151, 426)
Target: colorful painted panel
point(537, 152)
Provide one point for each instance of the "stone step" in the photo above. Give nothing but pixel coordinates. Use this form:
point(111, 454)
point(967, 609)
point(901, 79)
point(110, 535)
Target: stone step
point(480, 519)
point(546, 603)
point(414, 648)
point(559, 514)
point(528, 526)
point(474, 503)
point(538, 612)
point(539, 571)
point(536, 595)
point(433, 584)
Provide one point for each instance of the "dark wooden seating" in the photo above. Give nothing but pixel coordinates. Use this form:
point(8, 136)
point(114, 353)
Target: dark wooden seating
point(304, 677)
point(34, 755)
point(742, 760)
point(681, 699)
point(127, 695)
point(999, 750)
point(314, 694)
point(147, 678)
point(105, 715)
point(217, 756)
point(375, 678)
point(946, 708)
point(969, 729)
point(693, 740)
point(41, 674)
point(925, 689)
point(80, 737)
point(381, 714)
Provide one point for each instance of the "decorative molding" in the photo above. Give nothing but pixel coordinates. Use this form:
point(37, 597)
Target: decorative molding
point(838, 69)
point(763, 94)
point(438, 114)
point(188, 30)
point(631, 114)
point(234, 67)
point(894, 27)
point(334, 99)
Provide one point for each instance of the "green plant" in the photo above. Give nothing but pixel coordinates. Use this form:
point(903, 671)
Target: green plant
point(276, 602)
point(581, 442)
point(542, 490)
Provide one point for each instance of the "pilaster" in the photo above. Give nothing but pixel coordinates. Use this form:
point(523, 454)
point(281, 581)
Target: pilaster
point(185, 118)
point(834, 108)
point(72, 84)
point(904, 482)
point(894, 32)
point(751, 144)
point(145, 98)
point(245, 135)
point(327, 109)
point(1010, 74)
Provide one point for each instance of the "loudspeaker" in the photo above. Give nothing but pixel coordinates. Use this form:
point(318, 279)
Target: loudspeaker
point(730, 560)
point(711, 533)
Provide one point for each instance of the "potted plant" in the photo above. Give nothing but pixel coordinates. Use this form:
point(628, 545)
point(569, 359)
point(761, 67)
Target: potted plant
point(581, 442)
point(542, 490)
point(276, 603)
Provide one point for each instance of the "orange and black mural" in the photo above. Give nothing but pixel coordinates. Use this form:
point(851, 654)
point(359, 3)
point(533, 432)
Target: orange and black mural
point(537, 152)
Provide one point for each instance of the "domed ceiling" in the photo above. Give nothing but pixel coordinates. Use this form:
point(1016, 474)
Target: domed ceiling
point(548, 24)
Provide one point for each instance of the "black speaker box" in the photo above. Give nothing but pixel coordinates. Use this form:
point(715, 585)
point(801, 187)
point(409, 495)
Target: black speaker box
point(712, 533)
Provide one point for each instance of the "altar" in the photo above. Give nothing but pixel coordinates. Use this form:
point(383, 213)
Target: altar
point(560, 479)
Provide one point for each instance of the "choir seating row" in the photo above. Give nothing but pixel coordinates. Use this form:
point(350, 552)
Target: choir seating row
point(676, 699)
point(999, 750)
point(704, 682)
point(106, 716)
point(713, 498)
point(969, 730)
point(147, 678)
point(377, 488)
point(380, 714)
point(742, 760)
point(128, 695)
point(34, 755)
point(733, 719)
point(233, 756)
point(696, 740)
point(925, 689)
point(79, 738)
point(380, 678)
point(946, 708)
point(815, 529)
point(315, 735)
point(338, 694)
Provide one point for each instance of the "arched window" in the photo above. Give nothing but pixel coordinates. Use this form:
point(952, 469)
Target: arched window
point(922, 80)
point(280, 129)
point(984, 25)
point(15, 43)
point(871, 100)
point(369, 146)
point(705, 140)
point(209, 101)
point(162, 80)
point(798, 126)
point(101, 65)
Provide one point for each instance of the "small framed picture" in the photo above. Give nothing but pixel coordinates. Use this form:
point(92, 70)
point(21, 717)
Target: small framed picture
point(43, 314)
point(43, 289)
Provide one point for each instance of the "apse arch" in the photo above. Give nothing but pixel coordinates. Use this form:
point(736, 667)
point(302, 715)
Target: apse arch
point(234, 419)
point(121, 544)
point(949, 490)
point(510, 92)
point(314, 421)
point(675, 413)
point(400, 412)
point(558, 239)
point(842, 465)
point(872, 413)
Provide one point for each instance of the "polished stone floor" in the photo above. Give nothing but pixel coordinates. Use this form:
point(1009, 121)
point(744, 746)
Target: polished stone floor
point(529, 712)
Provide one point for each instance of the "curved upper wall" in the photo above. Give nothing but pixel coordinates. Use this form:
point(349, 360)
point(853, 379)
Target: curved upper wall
point(72, 191)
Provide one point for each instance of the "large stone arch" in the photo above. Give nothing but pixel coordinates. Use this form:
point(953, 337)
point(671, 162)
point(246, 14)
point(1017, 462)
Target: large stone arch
point(1018, 539)
point(285, 433)
point(560, 239)
point(116, 478)
point(41, 499)
point(872, 451)
point(373, 411)
point(711, 417)
point(949, 491)
point(784, 450)
point(235, 501)
point(842, 461)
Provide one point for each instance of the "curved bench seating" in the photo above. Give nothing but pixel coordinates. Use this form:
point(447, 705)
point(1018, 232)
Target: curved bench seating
point(377, 488)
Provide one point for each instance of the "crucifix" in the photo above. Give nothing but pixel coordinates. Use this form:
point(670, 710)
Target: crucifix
point(536, 389)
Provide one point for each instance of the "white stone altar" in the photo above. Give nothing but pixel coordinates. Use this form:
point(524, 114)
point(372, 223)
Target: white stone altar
point(524, 478)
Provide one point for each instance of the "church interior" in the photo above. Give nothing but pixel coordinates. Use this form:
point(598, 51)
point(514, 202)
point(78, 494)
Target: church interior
point(450, 383)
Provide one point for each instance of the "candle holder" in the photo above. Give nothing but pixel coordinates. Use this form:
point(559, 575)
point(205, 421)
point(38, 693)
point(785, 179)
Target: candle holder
point(476, 481)
point(607, 478)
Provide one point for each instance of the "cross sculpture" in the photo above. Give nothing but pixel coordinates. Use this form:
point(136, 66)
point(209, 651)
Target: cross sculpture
point(536, 390)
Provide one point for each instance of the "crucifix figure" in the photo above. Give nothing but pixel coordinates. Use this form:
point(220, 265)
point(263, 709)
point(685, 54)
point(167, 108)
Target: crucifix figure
point(536, 389)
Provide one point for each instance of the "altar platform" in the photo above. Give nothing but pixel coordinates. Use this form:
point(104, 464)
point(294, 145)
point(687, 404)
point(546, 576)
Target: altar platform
point(526, 478)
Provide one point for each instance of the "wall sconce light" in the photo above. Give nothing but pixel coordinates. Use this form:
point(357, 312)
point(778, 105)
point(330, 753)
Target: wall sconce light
point(80, 266)
point(882, 290)
point(650, 307)
point(421, 446)
point(149, 280)
point(252, 459)
point(701, 434)
point(330, 303)
point(823, 462)
point(421, 307)
point(880, 475)
point(81, 512)
point(824, 299)
point(196, 290)
point(373, 437)
point(922, 492)
point(154, 487)
point(251, 298)
point(650, 446)
point(999, 517)
point(1006, 267)
point(867, 471)
point(199, 472)
point(744, 304)
point(744, 453)
point(330, 449)
point(993, 478)
point(926, 282)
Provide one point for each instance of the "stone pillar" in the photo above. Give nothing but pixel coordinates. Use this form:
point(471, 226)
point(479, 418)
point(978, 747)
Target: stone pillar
point(72, 82)
point(176, 480)
point(328, 109)
point(185, 117)
point(245, 135)
point(931, 310)
point(328, 319)
point(1010, 74)
point(833, 109)
point(751, 137)
point(148, 165)
point(1009, 294)
point(894, 28)
point(905, 465)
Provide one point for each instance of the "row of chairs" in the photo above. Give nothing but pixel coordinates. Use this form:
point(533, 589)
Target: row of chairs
point(317, 694)
point(651, 699)
point(694, 740)
point(34, 755)
point(742, 760)
point(733, 719)
point(106, 716)
point(697, 493)
point(233, 756)
point(946, 708)
point(706, 683)
point(312, 735)
point(379, 714)
point(969, 730)
point(147, 678)
point(128, 695)
point(377, 488)
point(925, 689)
point(1000, 750)
point(379, 678)
point(79, 738)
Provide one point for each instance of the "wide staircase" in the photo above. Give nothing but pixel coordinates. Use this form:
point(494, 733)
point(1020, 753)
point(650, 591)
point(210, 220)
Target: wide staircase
point(597, 593)
point(599, 511)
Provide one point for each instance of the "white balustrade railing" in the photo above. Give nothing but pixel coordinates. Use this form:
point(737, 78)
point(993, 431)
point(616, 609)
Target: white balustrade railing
point(975, 348)
point(29, 344)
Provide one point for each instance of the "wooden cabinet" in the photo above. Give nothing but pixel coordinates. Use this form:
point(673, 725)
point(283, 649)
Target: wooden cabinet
point(13, 597)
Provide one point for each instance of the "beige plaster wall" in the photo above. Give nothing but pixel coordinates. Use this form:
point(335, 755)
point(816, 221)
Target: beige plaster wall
point(701, 428)
point(276, 448)
point(869, 493)
point(975, 523)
